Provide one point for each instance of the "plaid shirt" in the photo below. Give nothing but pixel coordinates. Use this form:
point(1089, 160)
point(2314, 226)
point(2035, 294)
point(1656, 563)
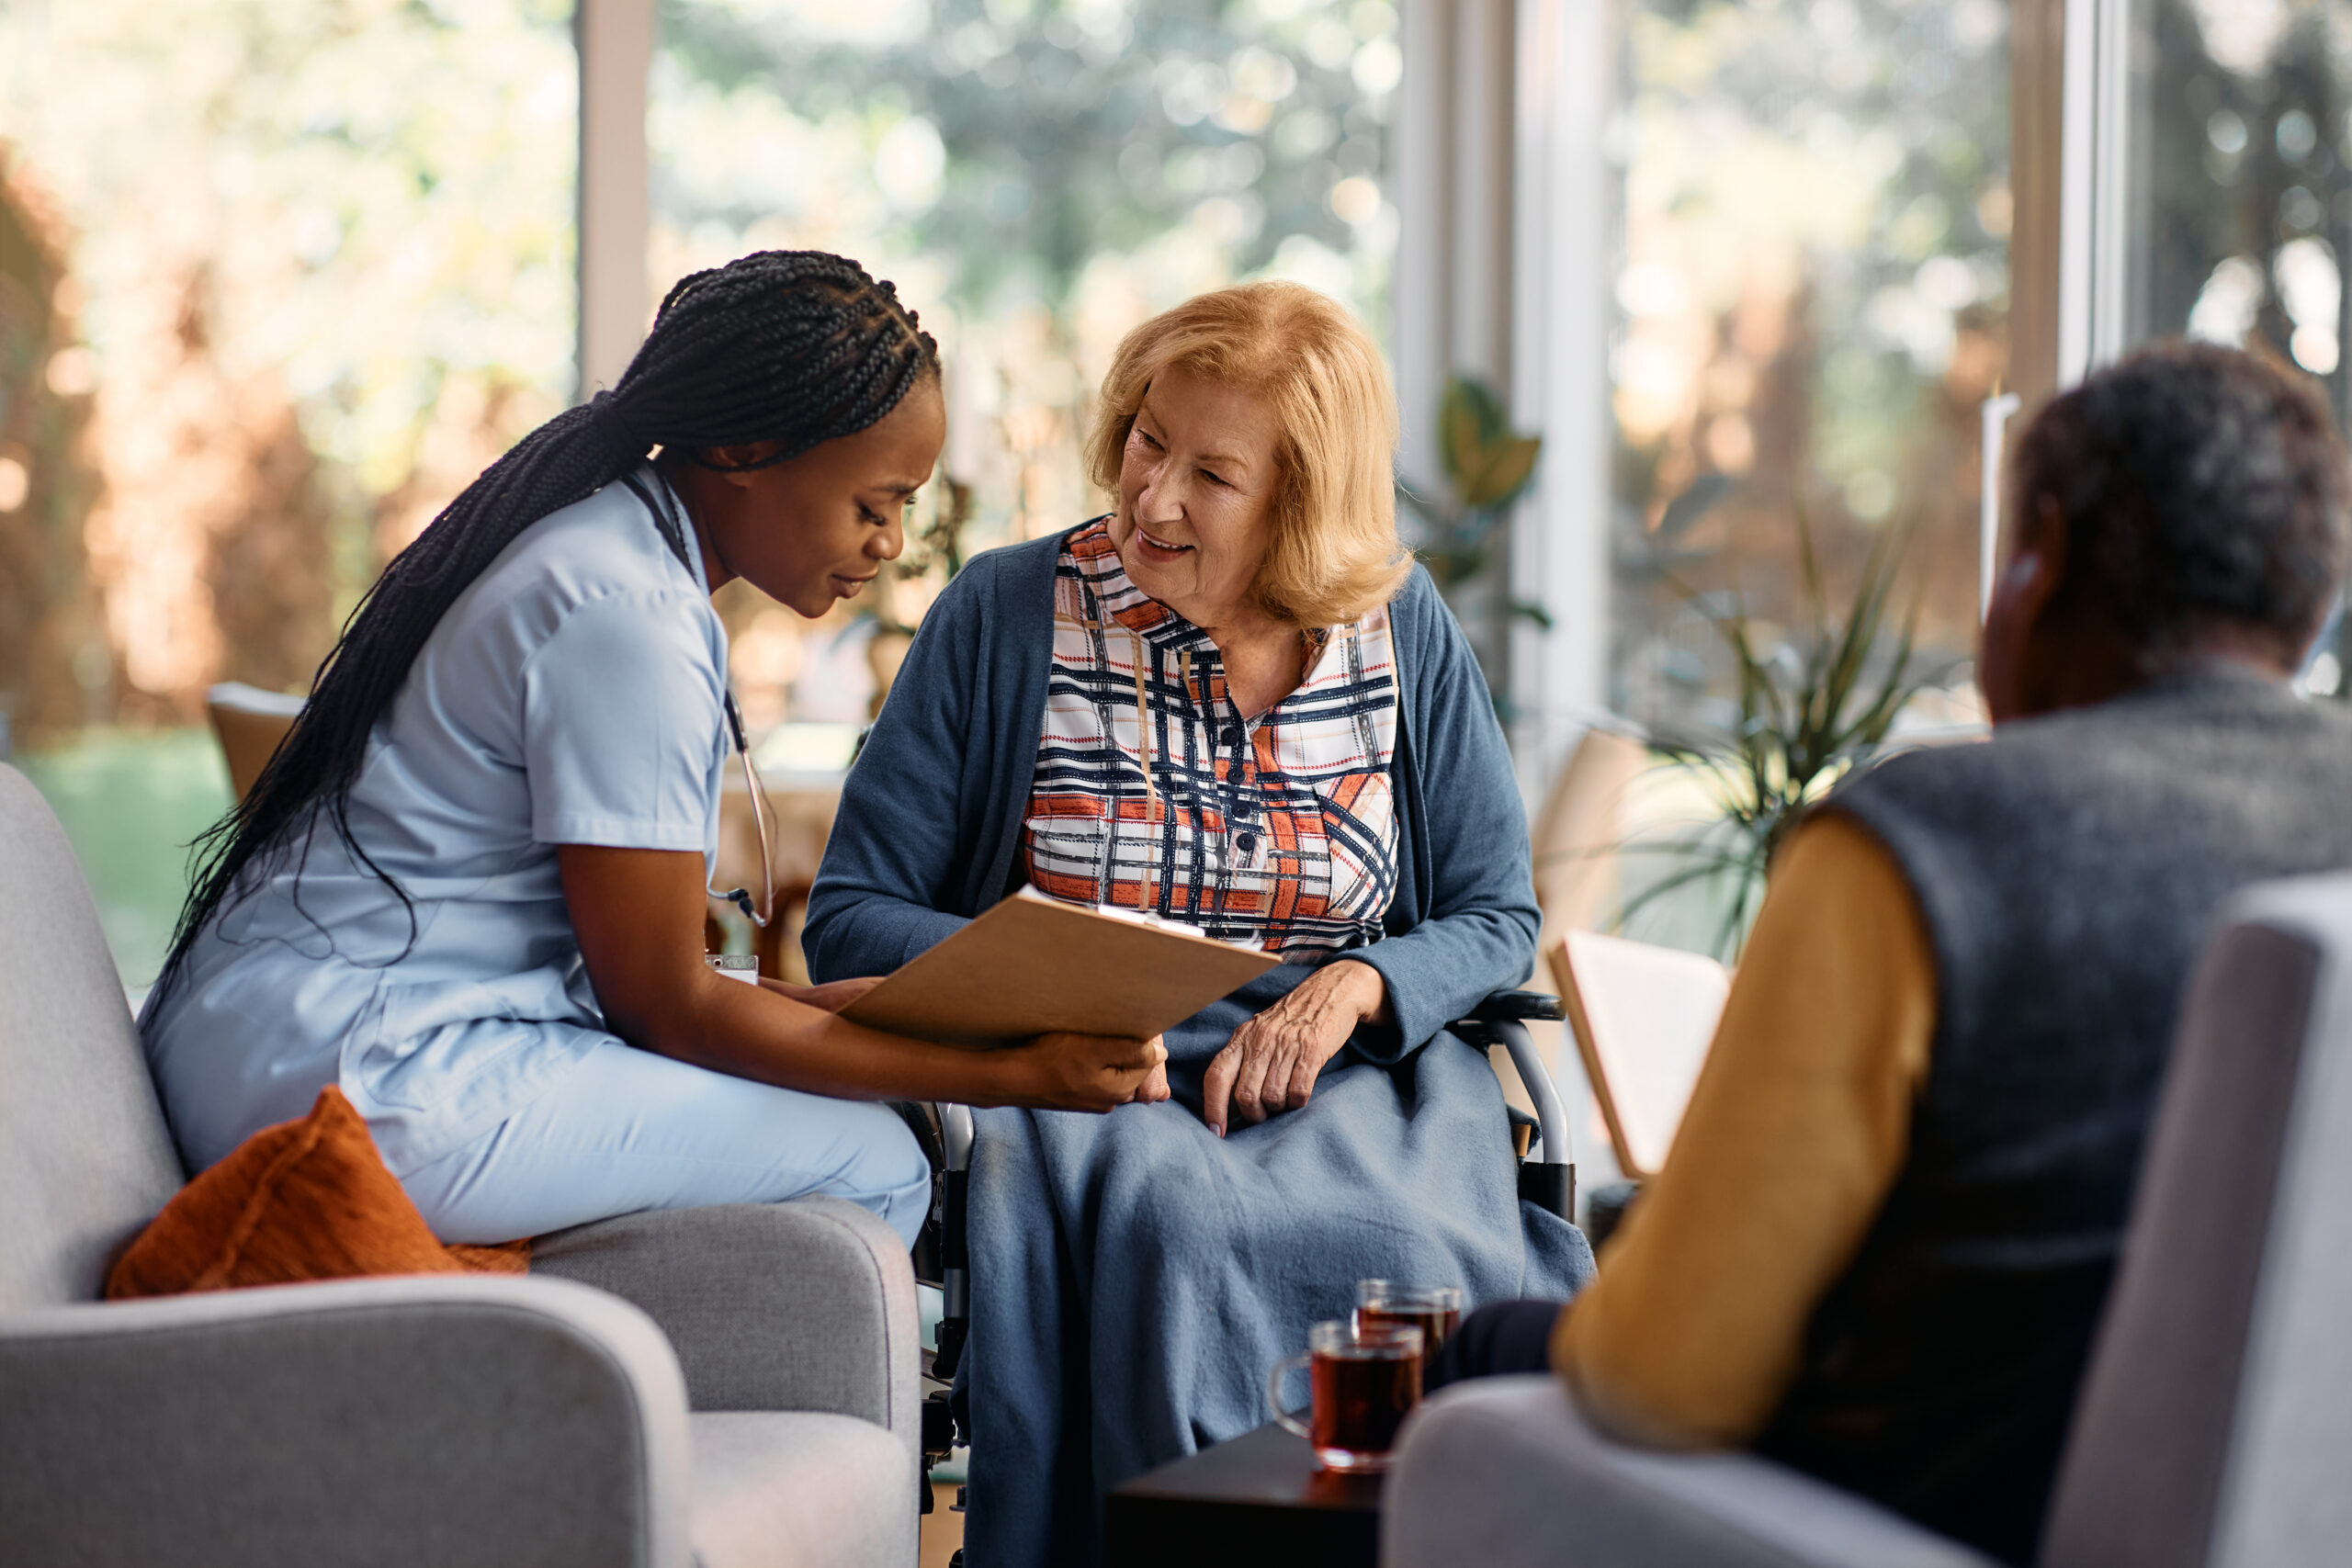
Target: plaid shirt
point(1279, 832)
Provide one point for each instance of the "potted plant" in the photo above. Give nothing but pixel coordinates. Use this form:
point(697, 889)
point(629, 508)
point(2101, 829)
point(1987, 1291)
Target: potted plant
point(1487, 467)
point(1810, 710)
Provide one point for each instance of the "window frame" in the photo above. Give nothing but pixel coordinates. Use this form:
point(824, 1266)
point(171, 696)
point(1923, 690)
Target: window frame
point(1504, 179)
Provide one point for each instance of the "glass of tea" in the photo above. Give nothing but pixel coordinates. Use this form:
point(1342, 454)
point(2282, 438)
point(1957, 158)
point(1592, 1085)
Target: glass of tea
point(1364, 1382)
point(1435, 1310)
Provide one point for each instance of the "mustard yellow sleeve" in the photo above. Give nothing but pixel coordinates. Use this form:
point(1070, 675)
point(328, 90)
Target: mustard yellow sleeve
point(1690, 1334)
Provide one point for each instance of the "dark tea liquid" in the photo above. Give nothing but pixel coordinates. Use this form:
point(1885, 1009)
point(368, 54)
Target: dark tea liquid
point(1360, 1401)
point(1437, 1324)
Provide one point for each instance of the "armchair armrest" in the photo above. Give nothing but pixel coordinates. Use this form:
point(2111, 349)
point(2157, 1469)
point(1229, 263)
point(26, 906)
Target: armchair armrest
point(439, 1419)
point(1507, 1471)
point(807, 1305)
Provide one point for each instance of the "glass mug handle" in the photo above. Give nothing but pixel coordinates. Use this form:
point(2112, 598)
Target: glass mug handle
point(1274, 1393)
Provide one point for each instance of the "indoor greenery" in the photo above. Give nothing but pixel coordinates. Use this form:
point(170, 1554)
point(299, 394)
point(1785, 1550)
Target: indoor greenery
point(1487, 467)
point(1814, 704)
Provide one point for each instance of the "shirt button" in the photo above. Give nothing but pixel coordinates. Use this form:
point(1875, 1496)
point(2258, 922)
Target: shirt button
point(1233, 734)
point(1248, 842)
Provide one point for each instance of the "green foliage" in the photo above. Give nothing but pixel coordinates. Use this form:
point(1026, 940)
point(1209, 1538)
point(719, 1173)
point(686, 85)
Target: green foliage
point(131, 801)
point(1488, 466)
point(1068, 133)
point(1812, 296)
point(387, 197)
point(936, 550)
point(1810, 710)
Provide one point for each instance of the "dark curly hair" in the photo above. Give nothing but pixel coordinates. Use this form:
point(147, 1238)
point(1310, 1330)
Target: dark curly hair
point(790, 347)
point(2201, 488)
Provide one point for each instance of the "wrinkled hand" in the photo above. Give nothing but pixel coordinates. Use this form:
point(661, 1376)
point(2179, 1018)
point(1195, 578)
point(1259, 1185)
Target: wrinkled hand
point(831, 997)
point(1272, 1061)
point(1090, 1072)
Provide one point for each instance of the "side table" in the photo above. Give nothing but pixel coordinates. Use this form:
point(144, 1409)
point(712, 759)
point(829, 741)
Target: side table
point(1260, 1499)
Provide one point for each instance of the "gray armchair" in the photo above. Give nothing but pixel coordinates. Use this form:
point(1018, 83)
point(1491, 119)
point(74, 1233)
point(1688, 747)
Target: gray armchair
point(2215, 1423)
point(755, 1405)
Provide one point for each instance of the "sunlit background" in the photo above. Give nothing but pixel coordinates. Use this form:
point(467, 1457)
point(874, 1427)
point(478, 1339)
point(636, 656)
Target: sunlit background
point(1037, 179)
point(278, 277)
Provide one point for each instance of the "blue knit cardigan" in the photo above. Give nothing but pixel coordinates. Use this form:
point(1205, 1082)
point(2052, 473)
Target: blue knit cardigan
point(931, 817)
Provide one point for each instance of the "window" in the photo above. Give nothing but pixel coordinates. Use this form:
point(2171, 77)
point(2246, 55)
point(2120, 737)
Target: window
point(2239, 202)
point(1810, 306)
point(2206, 153)
point(1036, 178)
point(276, 281)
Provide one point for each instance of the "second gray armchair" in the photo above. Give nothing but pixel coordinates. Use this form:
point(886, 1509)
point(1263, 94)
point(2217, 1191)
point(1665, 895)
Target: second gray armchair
point(2214, 1424)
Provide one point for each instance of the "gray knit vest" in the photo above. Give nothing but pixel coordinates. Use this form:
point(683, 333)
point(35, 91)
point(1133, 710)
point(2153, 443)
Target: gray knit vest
point(2067, 873)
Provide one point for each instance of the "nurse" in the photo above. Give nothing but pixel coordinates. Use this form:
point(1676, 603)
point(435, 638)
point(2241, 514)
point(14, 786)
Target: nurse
point(469, 888)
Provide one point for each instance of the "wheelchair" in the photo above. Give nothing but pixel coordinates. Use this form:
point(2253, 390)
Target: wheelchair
point(1548, 1177)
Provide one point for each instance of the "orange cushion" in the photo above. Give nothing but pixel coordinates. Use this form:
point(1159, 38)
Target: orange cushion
point(308, 1199)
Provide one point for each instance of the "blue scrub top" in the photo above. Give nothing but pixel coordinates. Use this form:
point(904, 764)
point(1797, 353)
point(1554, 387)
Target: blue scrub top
point(574, 695)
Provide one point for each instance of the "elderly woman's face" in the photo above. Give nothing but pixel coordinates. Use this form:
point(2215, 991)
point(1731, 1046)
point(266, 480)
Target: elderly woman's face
point(1196, 487)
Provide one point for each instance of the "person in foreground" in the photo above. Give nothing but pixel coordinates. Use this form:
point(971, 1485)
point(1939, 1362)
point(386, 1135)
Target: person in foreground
point(469, 888)
point(1231, 703)
point(1880, 1244)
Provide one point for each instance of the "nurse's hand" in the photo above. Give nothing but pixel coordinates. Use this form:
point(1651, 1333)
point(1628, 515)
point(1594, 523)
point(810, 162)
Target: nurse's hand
point(831, 997)
point(1087, 1072)
point(1272, 1061)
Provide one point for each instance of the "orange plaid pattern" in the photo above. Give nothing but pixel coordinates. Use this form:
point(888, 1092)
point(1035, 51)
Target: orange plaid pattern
point(1280, 831)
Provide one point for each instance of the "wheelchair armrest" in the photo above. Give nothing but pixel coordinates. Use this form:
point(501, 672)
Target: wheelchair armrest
point(1501, 1019)
point(1503, 1007)
point(954, 1256)
point(955, 1132)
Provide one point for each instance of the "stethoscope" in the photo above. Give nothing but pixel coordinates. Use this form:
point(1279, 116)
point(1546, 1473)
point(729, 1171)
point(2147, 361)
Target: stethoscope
point(669, 515)
point(759, 914)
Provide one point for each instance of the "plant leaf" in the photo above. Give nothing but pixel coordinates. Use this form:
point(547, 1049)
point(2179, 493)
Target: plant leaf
point(1461, 439)
point(1693, 503)
point(1507, 467)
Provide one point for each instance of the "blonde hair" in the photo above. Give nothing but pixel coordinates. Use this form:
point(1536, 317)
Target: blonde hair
point(1334, 555)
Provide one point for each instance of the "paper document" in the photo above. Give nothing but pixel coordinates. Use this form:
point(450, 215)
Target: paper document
point(1643, 1018)
point(1033, 964)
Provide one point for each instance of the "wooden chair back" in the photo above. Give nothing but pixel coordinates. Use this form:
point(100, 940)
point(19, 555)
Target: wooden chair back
point(249, 723)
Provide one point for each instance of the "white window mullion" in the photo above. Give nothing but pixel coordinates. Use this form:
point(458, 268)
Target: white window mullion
point(1564, 251)
point(615, 38)
point(2093, 186)
point(1422, 166)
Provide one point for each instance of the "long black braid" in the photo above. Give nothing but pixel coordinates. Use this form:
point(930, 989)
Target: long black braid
point(793, 347)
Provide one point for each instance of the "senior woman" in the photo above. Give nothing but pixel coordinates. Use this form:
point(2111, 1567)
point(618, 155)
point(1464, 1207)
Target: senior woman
point(1232, 703)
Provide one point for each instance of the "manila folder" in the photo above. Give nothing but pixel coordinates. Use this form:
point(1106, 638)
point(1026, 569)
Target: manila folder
point(1034, 964)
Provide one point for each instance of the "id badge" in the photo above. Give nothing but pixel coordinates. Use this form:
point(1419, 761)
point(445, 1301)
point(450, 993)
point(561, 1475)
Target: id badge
point(743, 966)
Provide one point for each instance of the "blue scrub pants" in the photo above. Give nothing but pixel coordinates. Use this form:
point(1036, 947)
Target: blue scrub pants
point(625, 1129)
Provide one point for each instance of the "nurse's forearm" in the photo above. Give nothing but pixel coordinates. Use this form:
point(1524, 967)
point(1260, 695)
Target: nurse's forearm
point(752, 1032)
point(639, 915)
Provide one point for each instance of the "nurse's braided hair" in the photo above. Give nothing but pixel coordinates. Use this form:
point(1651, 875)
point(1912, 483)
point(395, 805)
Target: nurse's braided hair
point(793, 347)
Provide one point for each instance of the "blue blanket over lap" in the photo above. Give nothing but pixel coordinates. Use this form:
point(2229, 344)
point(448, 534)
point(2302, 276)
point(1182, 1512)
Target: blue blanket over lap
point(1134, 1275)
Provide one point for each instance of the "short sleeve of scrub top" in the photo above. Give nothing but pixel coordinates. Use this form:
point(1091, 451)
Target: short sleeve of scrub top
point(572, 695)
point(619, 710)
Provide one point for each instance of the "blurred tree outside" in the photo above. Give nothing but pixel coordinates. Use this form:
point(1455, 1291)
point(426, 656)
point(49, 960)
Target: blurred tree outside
point(50, 625)
point(2241, 205)
point(1037, 176)
point(278, 278)
point(1811, 306)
